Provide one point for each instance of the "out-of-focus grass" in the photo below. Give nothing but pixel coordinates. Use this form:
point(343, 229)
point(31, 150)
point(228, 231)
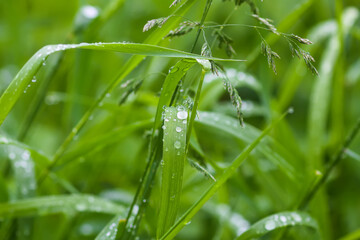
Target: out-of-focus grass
point(107, 177)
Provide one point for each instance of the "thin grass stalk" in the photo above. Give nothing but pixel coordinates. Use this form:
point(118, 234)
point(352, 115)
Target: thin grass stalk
point(336, 160)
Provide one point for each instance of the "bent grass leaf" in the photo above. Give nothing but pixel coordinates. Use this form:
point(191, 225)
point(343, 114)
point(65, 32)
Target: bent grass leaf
point(28, 71)
point(277, 221)
point(174, 153)
point(41, 206)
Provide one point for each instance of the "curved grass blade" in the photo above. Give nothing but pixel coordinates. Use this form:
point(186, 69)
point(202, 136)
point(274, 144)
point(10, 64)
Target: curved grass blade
point(59, 204)
point(23, 78)
point(175, 229)
point(174, 153)
point(276, 153)
point(110, 230)
point(278, 221)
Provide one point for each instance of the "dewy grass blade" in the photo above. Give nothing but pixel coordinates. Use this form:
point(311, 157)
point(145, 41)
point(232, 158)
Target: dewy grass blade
point(277, 221)
point(39, 159)
point(176, 73)
point(174, 154)
point(24, 77)
point(275, 153)
point(24, 174)
point(41, 206)
point(110, 230)
point(220, 181)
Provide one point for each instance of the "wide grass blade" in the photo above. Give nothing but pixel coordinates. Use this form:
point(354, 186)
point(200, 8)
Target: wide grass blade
point(278, 221)
point(41, 206)
point(174, 154)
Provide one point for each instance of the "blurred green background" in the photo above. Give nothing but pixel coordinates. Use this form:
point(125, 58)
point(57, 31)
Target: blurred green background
point(113, 170)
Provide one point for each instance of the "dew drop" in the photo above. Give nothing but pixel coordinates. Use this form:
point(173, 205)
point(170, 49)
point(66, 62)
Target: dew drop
point(90, 11)
point(270, 225)
point(182, 115)
point(177, 144)
point(86, 229)
point(174, 69)
point(12, 155)
point(80, 207)
point(178, 129)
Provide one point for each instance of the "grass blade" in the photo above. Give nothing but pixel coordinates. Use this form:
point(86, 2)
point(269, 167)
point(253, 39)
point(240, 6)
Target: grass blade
point(174, 154)
point(41, 206)
point(278, 221)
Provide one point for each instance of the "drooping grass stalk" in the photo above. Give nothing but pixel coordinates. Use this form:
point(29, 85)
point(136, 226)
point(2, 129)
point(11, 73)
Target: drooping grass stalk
point(284, 26)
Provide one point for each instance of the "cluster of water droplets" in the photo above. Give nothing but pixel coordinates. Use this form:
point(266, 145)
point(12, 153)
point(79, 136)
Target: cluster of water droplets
point(33, 80)
point(281, 220)
point(236, 221)
point(24, 171)
point(218, 120)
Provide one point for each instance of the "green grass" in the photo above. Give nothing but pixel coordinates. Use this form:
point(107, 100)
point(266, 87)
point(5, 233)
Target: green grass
point(177, 126)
